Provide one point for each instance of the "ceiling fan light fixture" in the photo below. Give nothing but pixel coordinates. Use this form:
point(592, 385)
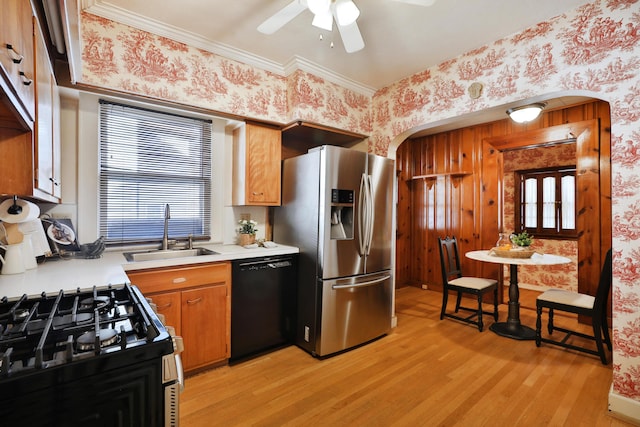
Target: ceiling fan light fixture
point(318, 6)
point(346, 12)
point(525, 113)
point(323, 20)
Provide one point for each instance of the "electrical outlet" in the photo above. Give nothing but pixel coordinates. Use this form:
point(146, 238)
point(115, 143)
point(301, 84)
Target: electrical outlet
point(245, 216)
point(425, 287)
point(306, 333)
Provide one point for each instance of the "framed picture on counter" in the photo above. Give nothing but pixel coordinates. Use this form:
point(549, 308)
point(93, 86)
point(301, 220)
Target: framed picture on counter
point(61, 235)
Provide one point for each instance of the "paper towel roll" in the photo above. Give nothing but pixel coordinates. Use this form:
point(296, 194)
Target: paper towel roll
point(30, 211)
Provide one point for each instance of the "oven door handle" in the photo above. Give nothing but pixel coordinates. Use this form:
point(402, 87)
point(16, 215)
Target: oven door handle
point(180, 372)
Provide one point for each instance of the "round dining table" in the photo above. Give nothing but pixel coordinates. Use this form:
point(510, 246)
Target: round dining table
point(512, 328)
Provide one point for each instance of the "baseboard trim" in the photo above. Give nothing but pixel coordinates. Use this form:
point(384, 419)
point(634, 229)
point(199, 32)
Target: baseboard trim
point(624, 408)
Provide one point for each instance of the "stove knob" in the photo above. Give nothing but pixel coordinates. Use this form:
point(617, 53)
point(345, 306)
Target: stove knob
point(178, 344)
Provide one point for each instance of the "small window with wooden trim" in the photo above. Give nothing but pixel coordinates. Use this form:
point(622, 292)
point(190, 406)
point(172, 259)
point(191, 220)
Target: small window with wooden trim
point(545, 202)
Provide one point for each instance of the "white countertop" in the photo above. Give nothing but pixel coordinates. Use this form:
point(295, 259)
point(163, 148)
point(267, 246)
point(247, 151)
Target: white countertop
point(69, 274)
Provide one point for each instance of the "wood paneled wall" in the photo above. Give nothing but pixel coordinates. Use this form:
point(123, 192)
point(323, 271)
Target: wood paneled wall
point(451, 184)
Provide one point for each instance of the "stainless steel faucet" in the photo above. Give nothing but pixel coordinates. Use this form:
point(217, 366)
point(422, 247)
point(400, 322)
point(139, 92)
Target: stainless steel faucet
point(165, 237)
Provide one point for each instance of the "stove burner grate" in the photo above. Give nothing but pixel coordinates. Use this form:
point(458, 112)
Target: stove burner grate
point(73, 327)
point(100, 302)
point(87, 341)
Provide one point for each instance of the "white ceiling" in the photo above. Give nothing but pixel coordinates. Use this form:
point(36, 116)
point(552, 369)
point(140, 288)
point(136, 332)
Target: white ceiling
point(400, 39)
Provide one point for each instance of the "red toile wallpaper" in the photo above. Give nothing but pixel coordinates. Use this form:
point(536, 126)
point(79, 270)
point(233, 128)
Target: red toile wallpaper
point(593, 50)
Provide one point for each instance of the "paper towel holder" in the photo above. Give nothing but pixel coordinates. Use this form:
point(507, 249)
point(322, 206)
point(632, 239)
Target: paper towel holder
point(15, 209)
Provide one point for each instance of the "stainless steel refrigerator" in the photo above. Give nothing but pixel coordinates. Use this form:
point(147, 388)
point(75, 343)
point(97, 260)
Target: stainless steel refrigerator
point(337, 207)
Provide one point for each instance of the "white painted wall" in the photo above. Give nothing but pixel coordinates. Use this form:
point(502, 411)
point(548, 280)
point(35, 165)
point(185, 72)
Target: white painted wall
point(79, 137)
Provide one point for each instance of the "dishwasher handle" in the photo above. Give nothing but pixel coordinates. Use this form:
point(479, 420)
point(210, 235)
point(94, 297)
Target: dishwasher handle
point(268, 263)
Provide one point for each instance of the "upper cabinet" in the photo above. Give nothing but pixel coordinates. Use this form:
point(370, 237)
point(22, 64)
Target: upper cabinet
point(47, 135)
point(29, 133)
point(257, 158)
point(17, 58)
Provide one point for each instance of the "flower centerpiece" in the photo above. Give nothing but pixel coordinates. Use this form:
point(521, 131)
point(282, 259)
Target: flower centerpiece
point(247, 231)
point(518, 248)
point(522, 240)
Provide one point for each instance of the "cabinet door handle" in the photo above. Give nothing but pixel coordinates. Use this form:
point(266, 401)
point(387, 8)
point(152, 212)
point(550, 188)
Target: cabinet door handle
point(14, 54)
point(25, 80)
point(257, 194)
point(179, 280)
point(162, 307)
point(194, 301)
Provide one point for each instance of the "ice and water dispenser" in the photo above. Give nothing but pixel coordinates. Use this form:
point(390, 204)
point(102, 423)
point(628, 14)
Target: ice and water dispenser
point(341, 214)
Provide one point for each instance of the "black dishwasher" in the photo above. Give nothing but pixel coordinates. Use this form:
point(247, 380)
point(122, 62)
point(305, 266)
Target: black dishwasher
point(263, 305)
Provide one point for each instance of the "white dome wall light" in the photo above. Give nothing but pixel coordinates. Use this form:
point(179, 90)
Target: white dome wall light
point(525, 113)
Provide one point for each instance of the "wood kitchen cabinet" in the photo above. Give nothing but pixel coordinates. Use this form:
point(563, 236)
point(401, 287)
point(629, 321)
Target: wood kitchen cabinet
point(169, 305)
point(31, 149)
point(257, 155)
point(17, 57)
point(46, 138)
point(203, 315)
point(196, 300)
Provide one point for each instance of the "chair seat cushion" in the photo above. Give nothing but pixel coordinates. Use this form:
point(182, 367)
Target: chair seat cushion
point(574, 299)
point(473, 282)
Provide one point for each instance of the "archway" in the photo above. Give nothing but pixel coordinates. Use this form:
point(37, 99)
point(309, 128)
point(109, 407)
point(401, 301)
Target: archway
point(484, 231)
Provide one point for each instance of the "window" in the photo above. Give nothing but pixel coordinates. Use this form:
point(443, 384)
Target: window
point(546, 201)
point(149, 159)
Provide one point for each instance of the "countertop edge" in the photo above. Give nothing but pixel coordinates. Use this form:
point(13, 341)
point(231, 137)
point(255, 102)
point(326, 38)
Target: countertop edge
point(68, 275)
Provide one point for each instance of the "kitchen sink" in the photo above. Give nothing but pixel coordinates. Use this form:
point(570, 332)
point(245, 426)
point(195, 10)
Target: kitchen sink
point(157, 254)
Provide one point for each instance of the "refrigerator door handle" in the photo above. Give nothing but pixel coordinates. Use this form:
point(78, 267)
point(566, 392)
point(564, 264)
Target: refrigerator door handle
point(362, 284)
point(370, 216)
point(361, 216)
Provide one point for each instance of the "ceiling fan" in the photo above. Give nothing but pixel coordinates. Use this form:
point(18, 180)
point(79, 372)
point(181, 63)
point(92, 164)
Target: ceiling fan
point(344, 12)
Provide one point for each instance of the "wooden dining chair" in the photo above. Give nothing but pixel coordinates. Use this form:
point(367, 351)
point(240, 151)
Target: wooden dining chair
point(581, 304)
point(453, 280)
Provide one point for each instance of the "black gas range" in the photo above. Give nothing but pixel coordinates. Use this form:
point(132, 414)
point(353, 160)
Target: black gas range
point(92, 357)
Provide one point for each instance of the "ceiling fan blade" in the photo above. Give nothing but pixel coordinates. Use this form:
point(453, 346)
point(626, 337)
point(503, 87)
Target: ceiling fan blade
point(351, 37)
point(282, 17)
point(417, 2)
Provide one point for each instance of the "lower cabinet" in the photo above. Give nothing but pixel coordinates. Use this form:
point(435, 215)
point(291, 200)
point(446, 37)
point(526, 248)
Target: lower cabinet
point(169, 305)
point(196, 300)
point(207, 342)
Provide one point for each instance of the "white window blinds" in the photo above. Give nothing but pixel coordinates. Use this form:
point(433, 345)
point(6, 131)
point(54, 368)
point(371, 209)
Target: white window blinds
point(149, 159)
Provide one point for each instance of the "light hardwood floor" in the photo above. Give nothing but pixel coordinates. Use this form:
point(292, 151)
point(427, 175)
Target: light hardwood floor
point(426, 372)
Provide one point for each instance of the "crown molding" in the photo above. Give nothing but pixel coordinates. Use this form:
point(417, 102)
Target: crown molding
point(113, 13)
point(300, 63)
